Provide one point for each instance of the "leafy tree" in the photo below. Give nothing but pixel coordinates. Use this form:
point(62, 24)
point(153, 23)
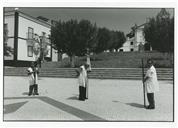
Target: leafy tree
point(132, 33)
point(110, 40)
point(118, 40)
point(103, 39)
point(113, 39)
point(40, 47)
point(88, 34)
point(73, 37)
point(159, 32)
point(171, 34)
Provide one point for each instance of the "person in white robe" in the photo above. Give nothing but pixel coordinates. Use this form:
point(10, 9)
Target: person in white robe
point(151, 84)
point(31, 80)
point(82, 82)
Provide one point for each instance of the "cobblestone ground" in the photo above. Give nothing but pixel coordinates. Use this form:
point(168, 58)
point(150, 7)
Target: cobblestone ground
point(109, 100)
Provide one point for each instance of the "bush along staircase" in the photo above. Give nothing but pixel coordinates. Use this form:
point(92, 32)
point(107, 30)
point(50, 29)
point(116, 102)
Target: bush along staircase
point(96, 73)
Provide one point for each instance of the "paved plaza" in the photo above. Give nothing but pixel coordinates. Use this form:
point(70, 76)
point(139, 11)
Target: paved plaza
point(109, 100)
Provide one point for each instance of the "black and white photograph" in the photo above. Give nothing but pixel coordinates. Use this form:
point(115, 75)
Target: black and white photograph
point(88, 64)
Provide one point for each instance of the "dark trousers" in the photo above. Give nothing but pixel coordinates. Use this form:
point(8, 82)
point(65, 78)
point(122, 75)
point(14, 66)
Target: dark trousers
point(31, 87)
point(82, 94)
point(150, 97)
point(85, 94)
point(35, 89)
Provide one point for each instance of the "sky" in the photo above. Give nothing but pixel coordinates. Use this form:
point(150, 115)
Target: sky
point(120, 19)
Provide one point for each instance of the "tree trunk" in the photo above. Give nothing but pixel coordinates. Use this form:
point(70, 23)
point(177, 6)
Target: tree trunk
point(72, 61)
point(116, 49)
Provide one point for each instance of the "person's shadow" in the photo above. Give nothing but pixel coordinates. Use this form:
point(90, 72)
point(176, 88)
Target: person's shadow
point(136, 105)
point(25, 93)
point(73, 97)
point(131, 104)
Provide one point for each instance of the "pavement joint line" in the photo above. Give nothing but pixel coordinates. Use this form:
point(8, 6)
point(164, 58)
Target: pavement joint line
point(67, 108)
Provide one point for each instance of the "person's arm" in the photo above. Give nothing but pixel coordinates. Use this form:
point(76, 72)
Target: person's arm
point(145, 79)
point(78, 71)
point(148, 75)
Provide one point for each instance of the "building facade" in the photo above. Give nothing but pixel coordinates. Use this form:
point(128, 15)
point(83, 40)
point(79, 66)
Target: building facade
point(27, 37)
point(135, 42)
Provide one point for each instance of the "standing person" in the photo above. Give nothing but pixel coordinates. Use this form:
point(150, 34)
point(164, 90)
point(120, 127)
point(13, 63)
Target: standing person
point(151, 84)
point(31, 80)
point(35, 73)
point(81, 73)
point(88, 62)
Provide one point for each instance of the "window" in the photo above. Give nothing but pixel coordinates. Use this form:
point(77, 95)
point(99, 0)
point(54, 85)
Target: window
point(30, 33)
point(131, 43)
point(5, 33)
point(131, 49)
point(30, 51)
point(121, 50)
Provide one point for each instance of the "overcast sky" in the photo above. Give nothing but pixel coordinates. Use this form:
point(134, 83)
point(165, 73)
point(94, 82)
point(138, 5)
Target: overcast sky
point(121, 19)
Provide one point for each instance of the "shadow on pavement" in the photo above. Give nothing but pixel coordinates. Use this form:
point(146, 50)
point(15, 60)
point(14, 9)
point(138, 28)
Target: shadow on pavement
point(131, 104)
point(24, 97)
point(72, 110)
point(9, 108)
point(67, 108)
point(116, 101)
point(136, 105)
point(73, 98)
point(25, 93)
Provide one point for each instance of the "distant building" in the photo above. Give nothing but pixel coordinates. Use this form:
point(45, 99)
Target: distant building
point(135, 40)
point(24, 34)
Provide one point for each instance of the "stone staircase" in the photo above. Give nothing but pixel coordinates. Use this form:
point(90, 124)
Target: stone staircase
point(97, 73)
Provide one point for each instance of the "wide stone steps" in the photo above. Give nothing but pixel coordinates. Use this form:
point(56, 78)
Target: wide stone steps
point(97, 73)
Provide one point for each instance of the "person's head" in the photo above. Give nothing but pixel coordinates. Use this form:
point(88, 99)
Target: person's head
point(30, 71)
point(149, 62)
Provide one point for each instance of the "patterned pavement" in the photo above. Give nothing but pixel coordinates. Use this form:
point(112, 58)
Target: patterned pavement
point(109, 100)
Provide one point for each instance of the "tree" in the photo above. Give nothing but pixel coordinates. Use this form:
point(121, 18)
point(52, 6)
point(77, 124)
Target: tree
point(88, 36)
point(118, 38)
point(103, 40)
point(40, 47)
point(109, 40)
point(159, 32)
point(171, 34)
point(132, 33)
point(73, 37)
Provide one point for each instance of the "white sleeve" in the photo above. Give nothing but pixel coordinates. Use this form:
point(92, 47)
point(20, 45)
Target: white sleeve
point(150, 73)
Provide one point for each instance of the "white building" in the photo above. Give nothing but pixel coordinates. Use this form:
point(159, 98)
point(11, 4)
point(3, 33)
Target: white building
point(23, 30)
point(135, 43)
